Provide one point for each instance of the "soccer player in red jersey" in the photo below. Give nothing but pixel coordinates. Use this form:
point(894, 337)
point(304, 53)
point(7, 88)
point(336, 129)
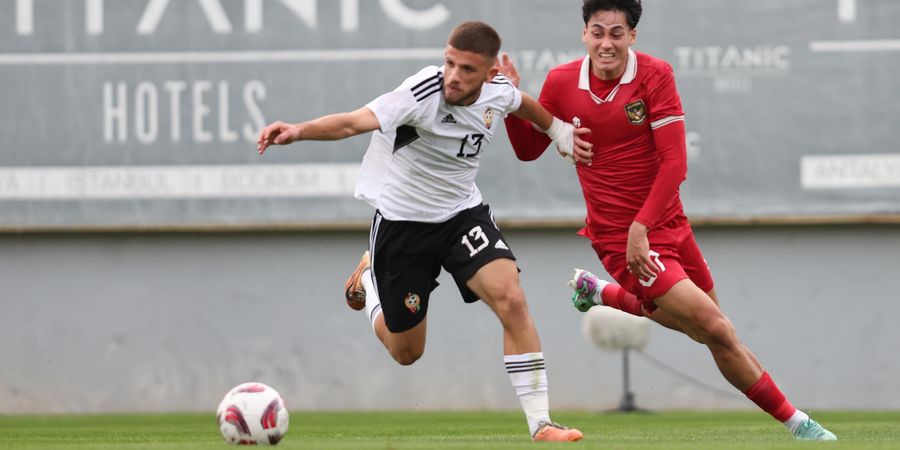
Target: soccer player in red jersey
point(630, 167)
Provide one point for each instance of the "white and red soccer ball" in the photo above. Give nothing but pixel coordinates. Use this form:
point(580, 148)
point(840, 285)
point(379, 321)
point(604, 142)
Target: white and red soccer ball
point(252, 413)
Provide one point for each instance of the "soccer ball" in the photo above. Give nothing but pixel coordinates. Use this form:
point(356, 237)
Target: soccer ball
point(252, 413)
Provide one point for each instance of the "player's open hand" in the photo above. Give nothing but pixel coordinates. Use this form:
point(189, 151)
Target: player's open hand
point(276, 133)
point(506, 67)
point(637, 253)
point(582, 149)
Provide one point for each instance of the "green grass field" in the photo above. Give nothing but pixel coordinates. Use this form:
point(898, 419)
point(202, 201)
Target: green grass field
point(449, 430)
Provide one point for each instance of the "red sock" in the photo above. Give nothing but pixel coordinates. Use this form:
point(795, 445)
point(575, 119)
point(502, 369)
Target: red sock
point(767, 396)
point(617, 297)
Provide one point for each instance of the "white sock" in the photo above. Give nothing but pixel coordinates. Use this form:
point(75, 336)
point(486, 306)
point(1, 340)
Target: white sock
point(598, 297)
point(799, 418)
point(529, 378)
point(601, 284)
point(373, 303)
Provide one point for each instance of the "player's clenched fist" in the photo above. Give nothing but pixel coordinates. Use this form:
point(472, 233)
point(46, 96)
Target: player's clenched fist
point(277, 133)
point(583, 148)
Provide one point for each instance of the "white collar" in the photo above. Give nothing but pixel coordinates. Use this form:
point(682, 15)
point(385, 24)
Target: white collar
point(584, 80)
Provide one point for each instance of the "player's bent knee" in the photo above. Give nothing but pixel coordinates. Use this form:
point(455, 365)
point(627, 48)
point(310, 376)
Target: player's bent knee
point(406, 356)
point(718, 331)
point(510, 304)
point(406, 360)
point(406, 348)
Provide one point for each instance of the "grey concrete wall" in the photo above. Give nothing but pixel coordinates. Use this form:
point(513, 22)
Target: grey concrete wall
point(138, 322)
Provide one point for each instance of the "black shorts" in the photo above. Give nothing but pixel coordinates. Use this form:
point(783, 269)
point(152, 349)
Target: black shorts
point(406, 259)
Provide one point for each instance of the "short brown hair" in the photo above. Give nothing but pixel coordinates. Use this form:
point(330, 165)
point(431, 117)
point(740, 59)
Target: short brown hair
point(476, 37)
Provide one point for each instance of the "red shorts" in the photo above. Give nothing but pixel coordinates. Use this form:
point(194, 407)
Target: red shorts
point(672, 248)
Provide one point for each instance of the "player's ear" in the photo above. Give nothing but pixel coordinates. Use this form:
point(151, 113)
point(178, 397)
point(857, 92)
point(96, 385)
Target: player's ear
point(633, 35)
point(493, 73)
point(494, 70)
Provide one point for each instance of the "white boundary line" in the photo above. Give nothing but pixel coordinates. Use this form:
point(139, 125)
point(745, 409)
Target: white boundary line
point(380, 54)
point(874, 45)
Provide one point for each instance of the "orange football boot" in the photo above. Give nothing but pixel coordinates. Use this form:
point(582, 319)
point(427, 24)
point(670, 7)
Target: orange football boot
point(554, 432)
point(354, 291)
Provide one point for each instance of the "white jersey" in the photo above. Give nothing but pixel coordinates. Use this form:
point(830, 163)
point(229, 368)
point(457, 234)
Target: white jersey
point(421, 164)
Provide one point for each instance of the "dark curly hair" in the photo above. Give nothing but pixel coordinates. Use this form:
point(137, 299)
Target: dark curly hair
point(631, 8)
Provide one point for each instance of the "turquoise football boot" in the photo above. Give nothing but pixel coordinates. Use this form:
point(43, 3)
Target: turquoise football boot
point(587, 287)
point(813, 431)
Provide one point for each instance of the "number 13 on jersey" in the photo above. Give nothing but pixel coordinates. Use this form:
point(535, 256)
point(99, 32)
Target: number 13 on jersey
point(476, 143)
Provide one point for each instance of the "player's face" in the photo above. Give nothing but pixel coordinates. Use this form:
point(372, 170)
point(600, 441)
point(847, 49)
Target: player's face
point(464, 75)
point(608, 38)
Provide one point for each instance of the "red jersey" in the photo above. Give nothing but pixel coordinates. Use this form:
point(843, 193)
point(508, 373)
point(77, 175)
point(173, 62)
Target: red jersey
point(637, 128)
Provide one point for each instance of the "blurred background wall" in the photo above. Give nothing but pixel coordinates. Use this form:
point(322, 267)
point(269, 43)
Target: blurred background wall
point(161, 322)
point(151, 259)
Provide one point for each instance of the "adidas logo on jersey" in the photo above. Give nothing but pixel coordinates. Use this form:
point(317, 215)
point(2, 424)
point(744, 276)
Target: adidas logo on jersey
point(501, 245)
point(449, 119)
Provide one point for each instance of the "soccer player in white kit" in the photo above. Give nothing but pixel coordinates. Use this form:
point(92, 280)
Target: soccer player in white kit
point(419, 173)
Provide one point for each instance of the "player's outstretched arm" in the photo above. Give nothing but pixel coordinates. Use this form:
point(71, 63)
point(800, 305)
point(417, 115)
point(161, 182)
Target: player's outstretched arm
point(326, 128)
point(528, 144)
point(561, 133)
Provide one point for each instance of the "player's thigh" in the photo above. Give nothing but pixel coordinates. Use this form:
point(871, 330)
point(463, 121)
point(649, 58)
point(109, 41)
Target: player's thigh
point(497, 284)
point(712, 294)
point(409, 344)
point(646, 290)
point(404, 269)
point(474, 242)
point(690, 306)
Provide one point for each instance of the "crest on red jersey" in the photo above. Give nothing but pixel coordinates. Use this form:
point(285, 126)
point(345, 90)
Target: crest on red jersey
point(636, 112)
